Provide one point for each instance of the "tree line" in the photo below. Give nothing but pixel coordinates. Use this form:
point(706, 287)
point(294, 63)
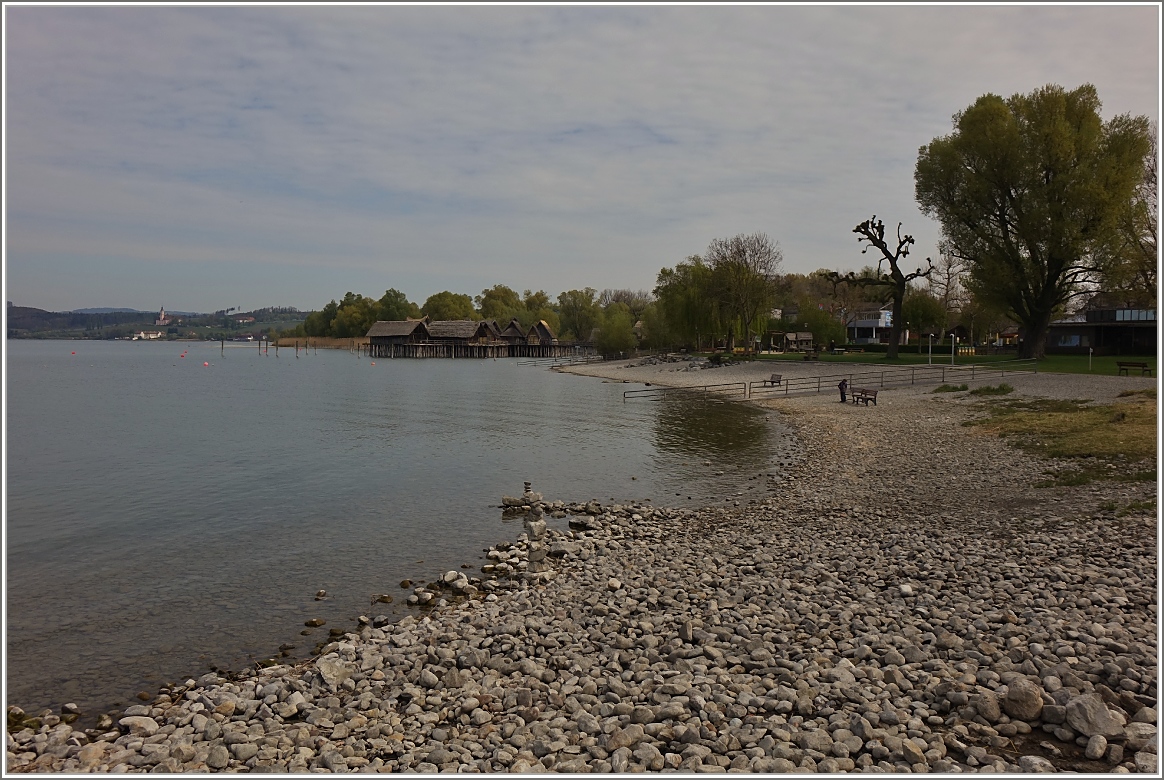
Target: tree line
point(606, 319)
point(1040, 203)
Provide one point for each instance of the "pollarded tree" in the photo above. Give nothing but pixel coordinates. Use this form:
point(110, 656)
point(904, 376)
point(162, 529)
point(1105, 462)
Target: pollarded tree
point(743, 279)
point(872, 233)
point(1029, 191)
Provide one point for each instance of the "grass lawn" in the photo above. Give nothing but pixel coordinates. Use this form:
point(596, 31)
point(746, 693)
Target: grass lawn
point(1056, 364)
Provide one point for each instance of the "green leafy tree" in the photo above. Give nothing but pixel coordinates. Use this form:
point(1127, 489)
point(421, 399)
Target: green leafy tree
point(318, 323)
point(394, 305)
point(1029, 190)
point(1130, 273)
point(536, 301)
point(655, 334)
point(355, 316)
point(449, 306)
point(923, 313)
point(685, 302)
point(743, 279)
point(616, 334)
point(499, 303)
point(579, 313)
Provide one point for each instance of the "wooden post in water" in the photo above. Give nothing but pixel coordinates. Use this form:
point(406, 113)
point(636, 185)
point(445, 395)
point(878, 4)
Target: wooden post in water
point(222, 346)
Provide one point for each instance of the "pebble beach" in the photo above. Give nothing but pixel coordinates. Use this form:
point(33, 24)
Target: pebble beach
point(895, 596)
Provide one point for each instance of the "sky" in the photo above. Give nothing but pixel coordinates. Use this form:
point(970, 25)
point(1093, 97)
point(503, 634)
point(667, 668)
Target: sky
point(201, 158)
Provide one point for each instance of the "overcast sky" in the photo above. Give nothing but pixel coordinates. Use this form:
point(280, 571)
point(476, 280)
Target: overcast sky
point(199, 158)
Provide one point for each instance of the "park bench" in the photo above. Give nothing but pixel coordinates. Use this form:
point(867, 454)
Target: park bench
point(775, 380)
point(1125, 365)
point(812, 356)
point(860, 394)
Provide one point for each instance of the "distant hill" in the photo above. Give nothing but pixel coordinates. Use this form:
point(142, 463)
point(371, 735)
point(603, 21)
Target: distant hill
point(25, 320)
point(107, 310)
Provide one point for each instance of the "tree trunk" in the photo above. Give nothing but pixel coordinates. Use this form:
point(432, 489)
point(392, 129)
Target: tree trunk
point(895, 327)
point(1033, 338)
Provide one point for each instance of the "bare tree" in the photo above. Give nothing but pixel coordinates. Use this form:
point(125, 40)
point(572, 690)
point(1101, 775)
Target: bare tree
point(945, 284)
point(872, 233)
point(744, 273)
point(635, 300)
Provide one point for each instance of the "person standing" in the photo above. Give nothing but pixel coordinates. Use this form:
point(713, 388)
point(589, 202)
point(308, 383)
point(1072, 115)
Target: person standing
point(843, 386)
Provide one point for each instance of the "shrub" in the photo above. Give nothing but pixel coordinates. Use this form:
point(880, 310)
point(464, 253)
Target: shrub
point(1002, 389)
point(951, 388)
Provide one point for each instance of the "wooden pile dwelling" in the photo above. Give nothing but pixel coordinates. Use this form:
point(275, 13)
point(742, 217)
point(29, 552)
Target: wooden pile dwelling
point(465, 339)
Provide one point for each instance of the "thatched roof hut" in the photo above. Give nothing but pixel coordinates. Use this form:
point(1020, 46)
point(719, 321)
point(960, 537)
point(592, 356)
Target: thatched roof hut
point(464, 331)
point(398, 332)
point(514, 333)
point(540, 333)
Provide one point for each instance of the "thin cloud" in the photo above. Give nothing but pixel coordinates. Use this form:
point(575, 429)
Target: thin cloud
point(458, 147)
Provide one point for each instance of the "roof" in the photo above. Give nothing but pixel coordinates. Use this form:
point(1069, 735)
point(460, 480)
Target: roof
point(395, 328)
point(513, 328)
point(542, 326)
point(453, 329)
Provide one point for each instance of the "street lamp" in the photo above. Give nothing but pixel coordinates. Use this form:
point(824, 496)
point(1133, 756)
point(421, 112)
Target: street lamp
point(930, 359)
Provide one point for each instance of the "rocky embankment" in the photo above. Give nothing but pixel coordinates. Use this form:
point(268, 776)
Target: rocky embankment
point(903, 600)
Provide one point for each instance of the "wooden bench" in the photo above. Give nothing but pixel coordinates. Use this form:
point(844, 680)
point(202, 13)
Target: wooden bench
point(775, 380)
point(860, 394)
point(1125, 365)
point(812, 356)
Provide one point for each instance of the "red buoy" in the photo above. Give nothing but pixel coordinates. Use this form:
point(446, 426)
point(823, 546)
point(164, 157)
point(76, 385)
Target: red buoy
point(205, 364)
point(73, 353)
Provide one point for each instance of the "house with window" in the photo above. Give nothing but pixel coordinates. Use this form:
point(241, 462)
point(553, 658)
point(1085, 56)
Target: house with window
point(1104, 332)
point(871, 327)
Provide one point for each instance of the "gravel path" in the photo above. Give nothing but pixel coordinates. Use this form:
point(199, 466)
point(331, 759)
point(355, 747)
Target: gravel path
point(901, 599)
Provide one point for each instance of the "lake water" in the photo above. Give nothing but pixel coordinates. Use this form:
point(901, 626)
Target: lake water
point(164, 516)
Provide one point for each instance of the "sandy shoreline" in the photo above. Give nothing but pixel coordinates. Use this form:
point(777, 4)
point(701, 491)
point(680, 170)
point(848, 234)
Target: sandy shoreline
point(902, 599)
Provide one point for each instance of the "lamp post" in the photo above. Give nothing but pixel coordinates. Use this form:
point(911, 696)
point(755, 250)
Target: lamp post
point(953, 346)
point(930, 359)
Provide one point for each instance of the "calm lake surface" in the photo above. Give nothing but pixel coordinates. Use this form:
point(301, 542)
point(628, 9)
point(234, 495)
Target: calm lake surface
point(164, 516)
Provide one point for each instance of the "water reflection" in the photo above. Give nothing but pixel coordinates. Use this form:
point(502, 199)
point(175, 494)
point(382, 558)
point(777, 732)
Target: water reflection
point(694, 425)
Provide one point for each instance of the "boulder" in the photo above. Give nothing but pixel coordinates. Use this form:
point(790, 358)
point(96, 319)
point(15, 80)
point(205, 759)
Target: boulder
point(1024, 700)
point(1089, 715)
point(1137, 736)
point(333, 670)
point(139, 725)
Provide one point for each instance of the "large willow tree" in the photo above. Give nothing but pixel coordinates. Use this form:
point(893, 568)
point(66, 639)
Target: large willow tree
point(1029, 191)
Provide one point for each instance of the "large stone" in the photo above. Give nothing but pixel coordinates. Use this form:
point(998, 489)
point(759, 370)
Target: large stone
point(628, 737)
point(244, 751)
point(139, 725)
point(912, 752)
point(1138, 736)
point(1146, 762)
point(1096, 747)
point(333, 670)
point(817, 739)
point(1035, 764)
point(218, 758)
point(987, 705)
point(1024, 700)
point(1089, 715)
